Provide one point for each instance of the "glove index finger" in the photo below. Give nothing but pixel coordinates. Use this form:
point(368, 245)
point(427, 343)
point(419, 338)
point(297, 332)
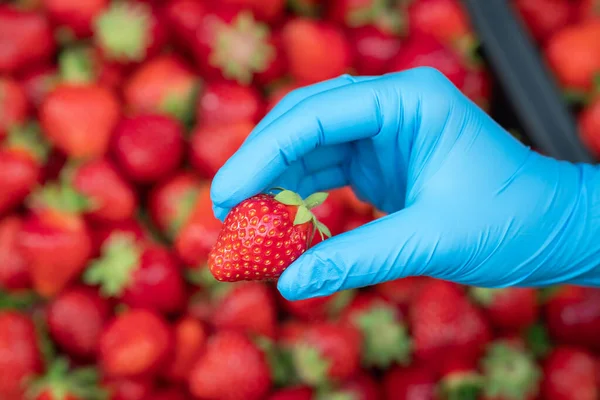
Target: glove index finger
point(338, 115)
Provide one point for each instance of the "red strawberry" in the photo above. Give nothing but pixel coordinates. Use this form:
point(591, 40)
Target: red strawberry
point(20, 357)
point(14, 273)
point(75, 320)
point(327, 352)
point(402, 291)
point(409, 383)
point(55, 239)
point(169, 394)
point(361, 387)
point(199, 232)
point(101, 232)
point(318, 308)
point(354, 221)
point(267, 10)
point(228, 102)
point(353, 203)
point(544, 17)
point(316, 50)
point(589, 126)
point(128, 389)
point(248, 307)
point(231, 44)
point(424, 50)
point(25, 39)
point(60, 382)
point(79, 119)
point(135, 344)
point(509, 373)
point(213, 145)
point(569, 374)
point(163, 85)
point(512, 309)
point(218, 373)
point(573, 316)
point(129, 32)
point(21, 158)
point(384, 334)
point(190, 339)
point(445, 326)
point(292, 393)
point(76, 18)
point(140, 275)
point(446, 20)
point(373, 48)
point(574, 54)
point(112, 198)
point(140, 142)
point(278, 229)
point(184, 18)
point(13, 104)
point(172, 202)
point(38, 82)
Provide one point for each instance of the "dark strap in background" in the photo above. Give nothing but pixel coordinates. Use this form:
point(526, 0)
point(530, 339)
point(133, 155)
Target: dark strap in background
point(527, 81)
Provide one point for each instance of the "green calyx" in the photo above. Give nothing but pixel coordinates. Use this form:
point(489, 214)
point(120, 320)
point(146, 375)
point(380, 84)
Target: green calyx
point(385, 339)
point(182, 213)
point(460, 386)
point(28, 138)
point(339, 301)
point(304, 215)
point(114, 269)
point(538, 340)
point(62, 383)
point(484, 296)
point(18, 300)
point(509, 373)
point(337, 395)
point(279, 359)
point(61, 196)
point(306, 8)
point(310, 366)
point(242, 48)
point(76, 65)
point(181, 106)
point(123, 31)
point(380, 14)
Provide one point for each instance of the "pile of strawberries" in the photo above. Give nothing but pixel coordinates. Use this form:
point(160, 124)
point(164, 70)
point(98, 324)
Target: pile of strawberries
point(567, 31)
point(115, 116)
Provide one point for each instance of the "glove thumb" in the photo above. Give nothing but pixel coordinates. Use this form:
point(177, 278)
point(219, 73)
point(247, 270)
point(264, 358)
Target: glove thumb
point(405, 243)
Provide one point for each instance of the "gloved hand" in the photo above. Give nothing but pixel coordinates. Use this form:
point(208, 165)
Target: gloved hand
point(466, 201)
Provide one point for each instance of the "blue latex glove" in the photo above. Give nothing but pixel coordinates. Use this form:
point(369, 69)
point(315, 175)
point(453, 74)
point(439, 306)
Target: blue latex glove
point(467, 202)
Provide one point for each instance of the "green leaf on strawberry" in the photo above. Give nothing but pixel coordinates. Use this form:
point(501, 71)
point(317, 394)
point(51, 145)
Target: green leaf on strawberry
point(113, 270)
point(61, 383)
point(385, 339)
point(509, 372)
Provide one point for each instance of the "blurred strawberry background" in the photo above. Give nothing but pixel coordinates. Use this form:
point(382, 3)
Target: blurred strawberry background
point(114, 117)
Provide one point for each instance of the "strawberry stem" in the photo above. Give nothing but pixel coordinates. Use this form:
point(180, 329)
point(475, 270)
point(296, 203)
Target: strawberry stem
point(76, 64)
point(61, 196)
